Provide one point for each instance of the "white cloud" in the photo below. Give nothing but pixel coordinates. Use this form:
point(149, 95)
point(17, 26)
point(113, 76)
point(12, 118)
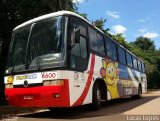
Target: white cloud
point(113, 14)
point(142, 30)
point(78, 1)
point(151, 35)
point(117, 29)
point(142, 20)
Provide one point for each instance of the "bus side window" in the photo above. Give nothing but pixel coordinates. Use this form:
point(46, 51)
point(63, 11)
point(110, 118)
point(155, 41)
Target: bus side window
point(129, 59)
point(108, 48)
point(78, 51)
point(121, 55)
point(135, 63)
point(111, 49)
point(114, 52)
point(101, 44)
point(93, 39)
point(139, 66)
point(143, 68)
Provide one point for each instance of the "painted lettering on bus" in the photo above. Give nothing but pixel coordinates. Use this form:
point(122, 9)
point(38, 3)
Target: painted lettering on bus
point(23, 77)
point(48, 75)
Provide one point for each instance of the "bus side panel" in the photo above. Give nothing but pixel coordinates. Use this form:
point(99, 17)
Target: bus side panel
point(83, 84)
point(144, 83)
point(96, 75)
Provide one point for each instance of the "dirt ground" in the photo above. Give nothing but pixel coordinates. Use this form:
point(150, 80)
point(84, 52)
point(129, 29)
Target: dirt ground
point(121, 109)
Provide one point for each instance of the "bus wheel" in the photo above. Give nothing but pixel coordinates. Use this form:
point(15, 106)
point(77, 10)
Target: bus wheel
point(96, 97)
point(139, 95)
point(139, 92)
point(54, 109)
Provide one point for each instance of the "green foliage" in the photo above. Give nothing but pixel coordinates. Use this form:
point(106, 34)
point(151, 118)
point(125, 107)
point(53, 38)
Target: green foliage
point(120, 39)
point(83, 15)
point(99, 23)
point(145, 43)
point(15, 12)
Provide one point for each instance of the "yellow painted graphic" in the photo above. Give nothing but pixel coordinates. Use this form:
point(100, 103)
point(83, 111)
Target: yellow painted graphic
point(10, 80)
point(110, 73)
point(21, 77)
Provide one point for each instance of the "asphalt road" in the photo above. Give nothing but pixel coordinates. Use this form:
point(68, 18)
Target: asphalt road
point(145, 109)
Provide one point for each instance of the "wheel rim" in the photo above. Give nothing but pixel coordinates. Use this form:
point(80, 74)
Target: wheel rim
point(99, 96)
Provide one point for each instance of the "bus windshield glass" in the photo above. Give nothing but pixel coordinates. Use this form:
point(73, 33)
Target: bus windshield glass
point(39, 45)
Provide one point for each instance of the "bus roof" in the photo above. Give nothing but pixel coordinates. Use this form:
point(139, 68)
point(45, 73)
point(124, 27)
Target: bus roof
point(43, 17)
point(60, 13)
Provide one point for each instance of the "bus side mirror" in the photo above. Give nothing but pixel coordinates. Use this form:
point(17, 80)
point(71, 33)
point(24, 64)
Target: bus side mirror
point(77, 36)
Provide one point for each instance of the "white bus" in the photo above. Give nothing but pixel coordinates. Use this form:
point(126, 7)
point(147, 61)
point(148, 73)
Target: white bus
point(62, 60)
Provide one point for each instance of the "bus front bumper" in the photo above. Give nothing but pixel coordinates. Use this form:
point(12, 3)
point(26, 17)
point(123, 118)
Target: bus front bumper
point(43, 96)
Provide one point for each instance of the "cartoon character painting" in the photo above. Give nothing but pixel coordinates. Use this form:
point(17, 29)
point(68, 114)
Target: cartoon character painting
point(10, 80)
point(110, 73)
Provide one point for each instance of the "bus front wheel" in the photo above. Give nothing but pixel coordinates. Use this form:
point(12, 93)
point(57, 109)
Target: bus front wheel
point(96, 97)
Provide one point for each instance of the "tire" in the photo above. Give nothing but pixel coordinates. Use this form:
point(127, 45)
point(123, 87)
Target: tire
point(54, 109)
point(96, 97)
point(139, 92)
point(139, 95)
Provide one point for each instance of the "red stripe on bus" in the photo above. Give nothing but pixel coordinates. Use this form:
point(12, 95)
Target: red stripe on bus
point(88, 84)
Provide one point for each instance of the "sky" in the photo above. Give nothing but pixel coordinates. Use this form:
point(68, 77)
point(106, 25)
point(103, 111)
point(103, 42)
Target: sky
point(132, 18)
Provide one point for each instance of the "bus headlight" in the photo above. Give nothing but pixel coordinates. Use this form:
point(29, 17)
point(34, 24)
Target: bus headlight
point(47, 83)
point(53, 83)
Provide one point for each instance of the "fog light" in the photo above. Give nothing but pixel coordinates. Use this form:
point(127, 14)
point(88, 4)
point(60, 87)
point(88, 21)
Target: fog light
point(56, 95)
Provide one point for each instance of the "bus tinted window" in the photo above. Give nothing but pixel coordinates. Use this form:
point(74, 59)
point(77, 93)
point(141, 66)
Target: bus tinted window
point(121, 55)
point(139, 66)
point(129, 59)
point(114, 52)
point(143, 69)
point(83, 47)
point(111, 49)
point(135, 63)
point(78, 52)
point(82, 30)
point(79, 49)
point(93, 39)
point(101, 44)
point(108, 45)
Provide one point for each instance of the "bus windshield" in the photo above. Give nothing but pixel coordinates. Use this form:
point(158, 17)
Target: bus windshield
point(37, 46)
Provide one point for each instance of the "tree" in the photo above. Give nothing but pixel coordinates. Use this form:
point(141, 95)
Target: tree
point(100, 24)
point(121, 40)
point(145, 43)
point(84, 15)
point(18, 11)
